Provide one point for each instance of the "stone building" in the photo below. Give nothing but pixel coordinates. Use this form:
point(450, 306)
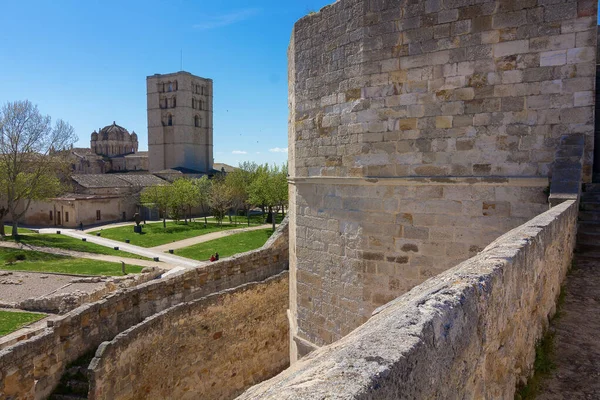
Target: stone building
point(112, 149)
point(180, 122)
point(420, 132)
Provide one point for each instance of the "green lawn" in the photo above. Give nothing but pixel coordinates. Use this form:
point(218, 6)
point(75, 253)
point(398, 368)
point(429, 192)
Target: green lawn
point(69, 243)
point(11, 321)
point(35, 261)
point(155, 235)
point(227, 246)
point(21, 231)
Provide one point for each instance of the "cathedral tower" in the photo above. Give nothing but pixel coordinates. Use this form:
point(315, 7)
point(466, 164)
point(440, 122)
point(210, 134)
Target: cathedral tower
point(180, 122)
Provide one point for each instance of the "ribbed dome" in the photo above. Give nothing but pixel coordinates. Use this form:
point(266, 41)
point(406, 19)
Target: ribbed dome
point(114, 132)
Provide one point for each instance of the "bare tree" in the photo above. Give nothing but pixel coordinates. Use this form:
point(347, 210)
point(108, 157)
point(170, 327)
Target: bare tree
point(31, 157)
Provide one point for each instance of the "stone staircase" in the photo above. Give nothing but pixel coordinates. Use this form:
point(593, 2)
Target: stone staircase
point(588, 233)
point(74, 384)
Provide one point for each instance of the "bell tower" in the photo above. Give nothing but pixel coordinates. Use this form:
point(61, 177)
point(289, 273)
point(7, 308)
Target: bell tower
point(180, 122)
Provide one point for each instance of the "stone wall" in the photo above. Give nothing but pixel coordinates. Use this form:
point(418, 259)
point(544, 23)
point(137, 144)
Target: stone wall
point(32, 368)
point(212, 348)
point(469, 332)
point(419, 132)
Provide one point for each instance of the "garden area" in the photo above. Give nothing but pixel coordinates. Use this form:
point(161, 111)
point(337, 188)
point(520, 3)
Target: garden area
point(11, 321)
point(35, 261)
point(227, 246)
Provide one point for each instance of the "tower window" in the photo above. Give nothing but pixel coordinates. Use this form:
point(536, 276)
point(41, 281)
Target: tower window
point(170, 120)
point(174, 102)
point(170, 87)
point(200, 105)
point(197, 121)
point(193, 103)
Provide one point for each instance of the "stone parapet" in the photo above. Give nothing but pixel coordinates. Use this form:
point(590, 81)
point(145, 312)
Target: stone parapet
point(32, 368)
point(469, 332)
point(214, 347)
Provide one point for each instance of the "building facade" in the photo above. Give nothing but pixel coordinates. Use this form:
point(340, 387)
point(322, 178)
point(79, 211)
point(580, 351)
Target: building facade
point(180, 122)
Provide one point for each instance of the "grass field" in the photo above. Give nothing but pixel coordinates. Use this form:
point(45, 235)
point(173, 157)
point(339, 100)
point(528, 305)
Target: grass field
point(35, 261)
point(155, 235)
point(8, 230)
point(11, 321)
point(69, 243)
point(227, 246)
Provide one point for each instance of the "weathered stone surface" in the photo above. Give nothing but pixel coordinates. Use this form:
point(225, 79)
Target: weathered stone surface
point(447, 89)
point(211, 348)
point(469, 332)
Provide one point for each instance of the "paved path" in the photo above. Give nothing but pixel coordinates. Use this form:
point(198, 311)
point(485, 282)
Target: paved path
point(577, 337)
point(91, 256)
point(141, 251)
point(205, 238)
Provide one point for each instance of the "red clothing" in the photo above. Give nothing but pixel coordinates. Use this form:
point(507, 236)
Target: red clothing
point(212, 258)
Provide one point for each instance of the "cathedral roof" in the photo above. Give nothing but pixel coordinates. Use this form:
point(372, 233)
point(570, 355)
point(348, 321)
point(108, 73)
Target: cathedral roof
point(114, 132)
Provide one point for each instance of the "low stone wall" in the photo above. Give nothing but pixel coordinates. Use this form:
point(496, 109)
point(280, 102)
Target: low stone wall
point(31, 369)
point(469, 332)
point(212, 348)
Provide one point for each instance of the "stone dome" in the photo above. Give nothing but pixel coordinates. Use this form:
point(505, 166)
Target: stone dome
point(114, 132)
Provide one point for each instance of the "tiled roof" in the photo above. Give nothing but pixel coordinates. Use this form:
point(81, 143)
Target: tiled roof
point(117, 180)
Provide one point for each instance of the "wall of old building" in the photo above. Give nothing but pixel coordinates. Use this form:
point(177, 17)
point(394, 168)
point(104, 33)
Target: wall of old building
point(419, 132)
point(212, 348)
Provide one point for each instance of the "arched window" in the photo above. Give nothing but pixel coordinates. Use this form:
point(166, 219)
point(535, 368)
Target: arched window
point(174, 102)
point(193, 103)
point(170, 89)
point(175, 86)
point(169, 120)
point(200, 105)
point(197, 121)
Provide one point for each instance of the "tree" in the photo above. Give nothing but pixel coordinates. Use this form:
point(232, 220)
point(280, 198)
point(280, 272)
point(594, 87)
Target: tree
point(239, 182)
point(184, 195)
point(219, 199)
point(158, 196)
point(30, 157)
point(262, 191)
point(204, 189)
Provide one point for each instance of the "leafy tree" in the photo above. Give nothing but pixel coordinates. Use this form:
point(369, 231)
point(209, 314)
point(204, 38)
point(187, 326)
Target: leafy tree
point(184, 195)
point(263, 190)
point(239, 182)
point(219, 199)
point(31, 162)
point(158, 196)
point(203, 189)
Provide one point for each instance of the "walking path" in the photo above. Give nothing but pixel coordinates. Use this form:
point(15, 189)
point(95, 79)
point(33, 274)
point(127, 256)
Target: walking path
point(92, 256)
point(141, 251)
point(205, 238)
point(577, 337)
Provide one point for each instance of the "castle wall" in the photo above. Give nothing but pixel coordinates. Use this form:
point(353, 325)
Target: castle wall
point(467, 333)
point(212, 348)
point(419, 132)
point(32, 368)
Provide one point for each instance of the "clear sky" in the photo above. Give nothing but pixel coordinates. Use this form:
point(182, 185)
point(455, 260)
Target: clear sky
point(86, 61)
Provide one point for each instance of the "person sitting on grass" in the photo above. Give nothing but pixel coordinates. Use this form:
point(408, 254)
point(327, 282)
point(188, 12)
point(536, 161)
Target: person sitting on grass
point(212, 258)
point(216, 256)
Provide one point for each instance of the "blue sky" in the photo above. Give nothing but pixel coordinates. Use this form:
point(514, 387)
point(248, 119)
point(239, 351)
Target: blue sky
point(87, 61)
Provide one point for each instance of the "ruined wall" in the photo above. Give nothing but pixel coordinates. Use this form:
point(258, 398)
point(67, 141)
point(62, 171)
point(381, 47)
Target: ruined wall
point(32, 368)
point(420, 131)
point(468, 333)
point(212, 348)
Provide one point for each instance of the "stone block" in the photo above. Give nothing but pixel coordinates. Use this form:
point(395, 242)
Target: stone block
point(509, 48)
point(551, 58)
